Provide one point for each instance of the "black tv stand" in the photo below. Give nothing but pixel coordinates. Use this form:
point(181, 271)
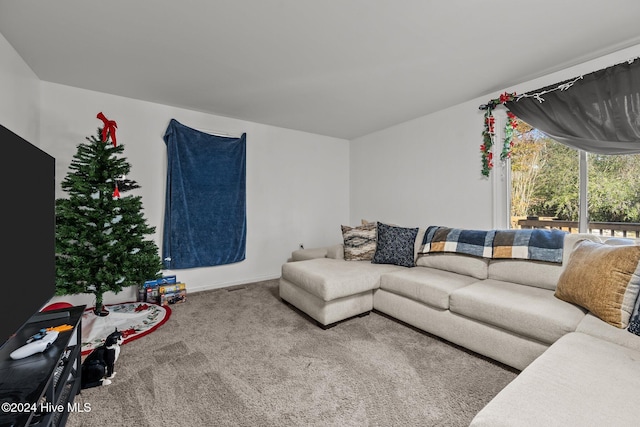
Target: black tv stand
point(40, 389)
point(50, 315)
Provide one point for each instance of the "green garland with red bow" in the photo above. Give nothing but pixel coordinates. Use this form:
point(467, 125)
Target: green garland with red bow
point(488, 133)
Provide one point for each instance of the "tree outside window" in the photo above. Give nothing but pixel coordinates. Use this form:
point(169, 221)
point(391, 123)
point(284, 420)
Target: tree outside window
point(545, 181)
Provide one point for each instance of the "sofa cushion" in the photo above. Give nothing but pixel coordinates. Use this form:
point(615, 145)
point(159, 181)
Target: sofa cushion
point(455, 263)
point(427, 285)
point(330, 279)
point(335, 251)
point(311, 253)
point(570, 242)
point(531, 273)
point(395, 245)
point(579, 381)
point(359, 242)
point(525, 310)
point(604, 279)
point(534, 273)
point(598, 328)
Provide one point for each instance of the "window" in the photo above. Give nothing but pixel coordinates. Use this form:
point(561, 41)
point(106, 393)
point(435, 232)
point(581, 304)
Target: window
point(545, 187)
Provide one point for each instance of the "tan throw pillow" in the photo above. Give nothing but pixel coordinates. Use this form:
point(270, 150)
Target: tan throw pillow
point(359, 242)
point(602, 278)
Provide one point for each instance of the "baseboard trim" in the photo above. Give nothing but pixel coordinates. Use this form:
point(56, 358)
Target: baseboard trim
point(232, 283)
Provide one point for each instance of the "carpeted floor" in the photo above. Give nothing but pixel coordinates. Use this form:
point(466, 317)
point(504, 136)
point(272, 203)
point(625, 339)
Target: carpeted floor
point(241, 357)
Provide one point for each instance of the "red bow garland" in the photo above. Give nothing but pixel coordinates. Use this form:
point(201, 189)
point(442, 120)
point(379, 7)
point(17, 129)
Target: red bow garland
point(108, 129)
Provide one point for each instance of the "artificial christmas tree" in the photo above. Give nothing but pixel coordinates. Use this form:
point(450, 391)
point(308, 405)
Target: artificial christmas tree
point(101, 242)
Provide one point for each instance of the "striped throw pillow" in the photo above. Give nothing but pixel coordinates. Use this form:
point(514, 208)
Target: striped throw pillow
point(359, 242)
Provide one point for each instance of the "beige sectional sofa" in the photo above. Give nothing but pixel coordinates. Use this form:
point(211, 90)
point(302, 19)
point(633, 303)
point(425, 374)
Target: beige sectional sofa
point(577, 370)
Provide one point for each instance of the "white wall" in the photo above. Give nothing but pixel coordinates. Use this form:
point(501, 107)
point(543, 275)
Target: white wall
point(423, 172)
point(297, 182)
point(300, 186)
point(427, 171)
point(292, 176)
point(19, 94)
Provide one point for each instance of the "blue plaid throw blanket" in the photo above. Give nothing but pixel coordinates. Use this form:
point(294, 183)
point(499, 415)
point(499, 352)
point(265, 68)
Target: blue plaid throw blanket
point(537, 245)
point(470, 242)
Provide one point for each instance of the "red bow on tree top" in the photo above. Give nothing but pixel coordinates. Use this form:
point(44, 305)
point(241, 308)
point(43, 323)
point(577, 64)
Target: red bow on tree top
point(108, 129)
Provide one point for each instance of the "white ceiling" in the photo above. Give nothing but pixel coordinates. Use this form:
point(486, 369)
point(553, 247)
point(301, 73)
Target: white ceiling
point(342, 68)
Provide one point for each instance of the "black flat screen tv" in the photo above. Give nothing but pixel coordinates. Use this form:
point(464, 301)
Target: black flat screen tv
point(28, 225)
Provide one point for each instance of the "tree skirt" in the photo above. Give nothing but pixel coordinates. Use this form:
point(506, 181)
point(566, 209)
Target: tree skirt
point(133, 319)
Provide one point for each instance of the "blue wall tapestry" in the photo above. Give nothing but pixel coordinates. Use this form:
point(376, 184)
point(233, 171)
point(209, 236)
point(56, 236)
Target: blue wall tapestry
point(205, 221)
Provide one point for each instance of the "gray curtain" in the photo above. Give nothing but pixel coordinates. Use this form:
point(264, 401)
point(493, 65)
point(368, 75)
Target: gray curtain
point(597, 112)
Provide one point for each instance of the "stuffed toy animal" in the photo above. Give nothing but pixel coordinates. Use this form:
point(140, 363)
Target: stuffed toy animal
point(97, 368)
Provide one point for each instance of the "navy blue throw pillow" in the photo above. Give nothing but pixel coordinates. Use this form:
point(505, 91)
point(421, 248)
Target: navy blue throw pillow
point(634, 323)
point(395, 245)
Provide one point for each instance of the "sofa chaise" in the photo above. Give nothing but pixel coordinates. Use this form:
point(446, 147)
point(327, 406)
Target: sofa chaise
point(521, 303)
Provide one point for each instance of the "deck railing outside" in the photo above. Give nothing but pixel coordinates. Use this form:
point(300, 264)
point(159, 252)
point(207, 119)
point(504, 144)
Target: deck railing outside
point(615, 229)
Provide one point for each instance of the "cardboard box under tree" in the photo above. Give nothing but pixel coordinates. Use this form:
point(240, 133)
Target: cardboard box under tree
point(172, 294)
point(150, 291)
